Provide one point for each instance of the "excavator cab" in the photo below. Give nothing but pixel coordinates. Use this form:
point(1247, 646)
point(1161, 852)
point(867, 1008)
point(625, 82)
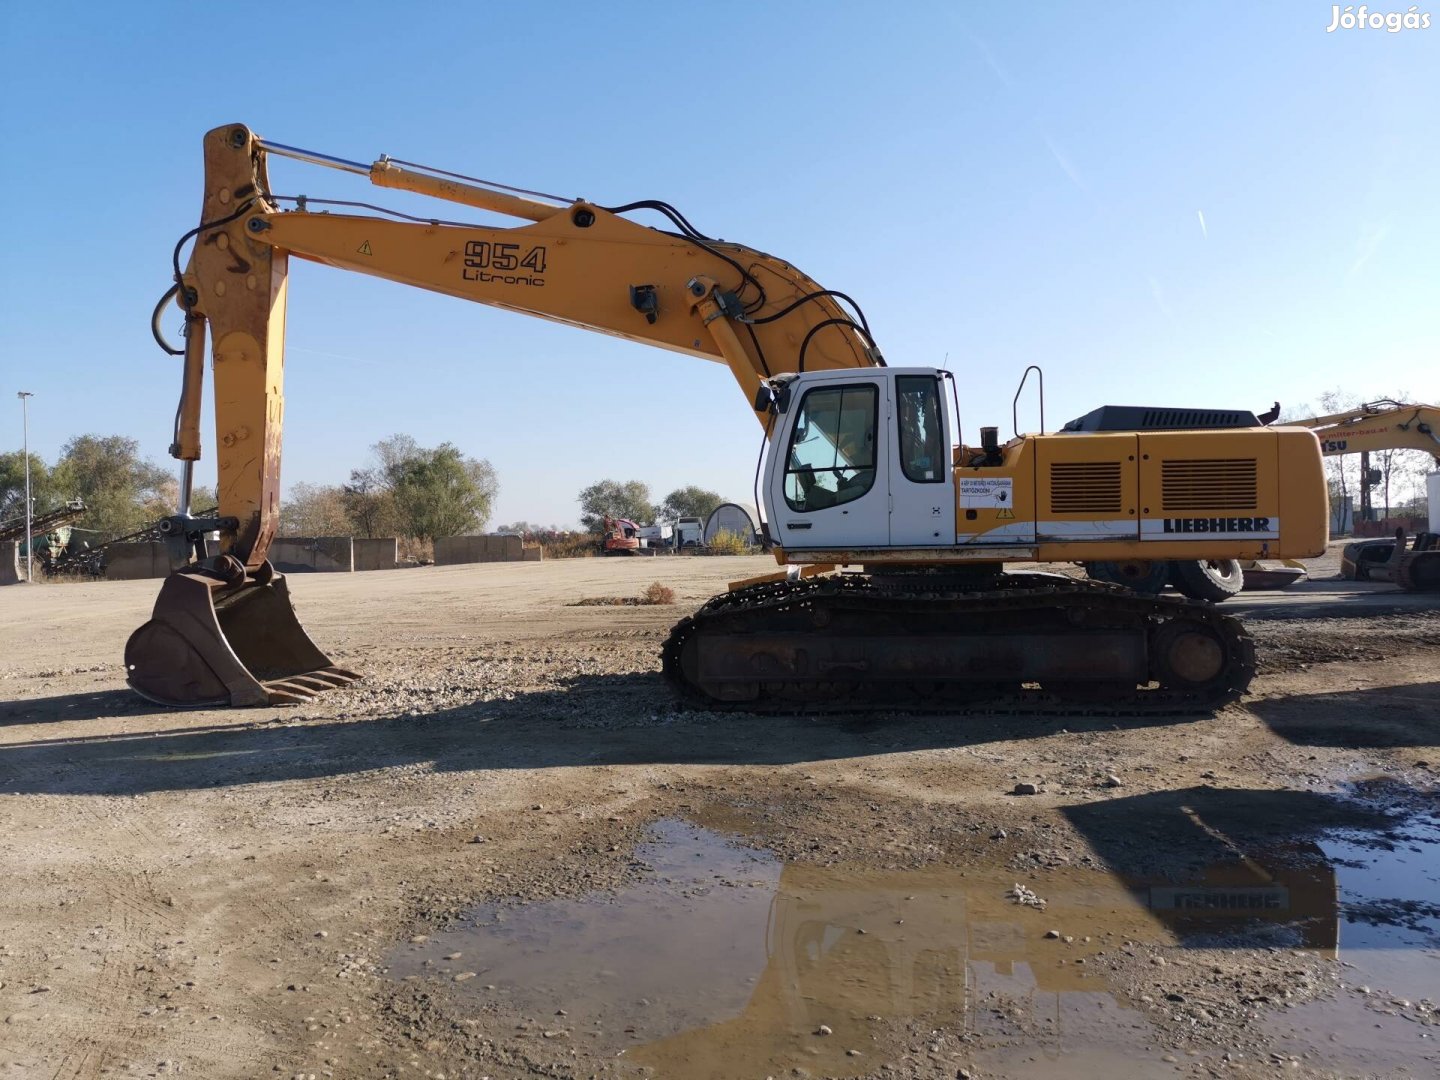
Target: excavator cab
point(860, 461)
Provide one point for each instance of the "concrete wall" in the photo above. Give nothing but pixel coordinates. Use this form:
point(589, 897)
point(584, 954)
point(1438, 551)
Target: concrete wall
point(298, 554)
point(532, 554)
point(150, 559)
point(380, 554)
point(12, 570)
point(1387, 526)
point(450, 550)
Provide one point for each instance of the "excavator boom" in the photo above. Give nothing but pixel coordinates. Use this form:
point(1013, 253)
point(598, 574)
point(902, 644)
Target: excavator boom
point(675, 290)
point(226, 631)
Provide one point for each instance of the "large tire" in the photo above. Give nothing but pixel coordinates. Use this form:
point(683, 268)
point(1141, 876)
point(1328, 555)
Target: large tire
point(1138, 575)
point(1208, 579)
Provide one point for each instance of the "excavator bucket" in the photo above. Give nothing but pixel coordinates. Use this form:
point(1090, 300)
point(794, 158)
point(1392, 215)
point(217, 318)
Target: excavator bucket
point(211, 643)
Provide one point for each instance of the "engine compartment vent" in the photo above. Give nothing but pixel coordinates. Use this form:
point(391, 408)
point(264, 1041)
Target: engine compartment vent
point(1159, 418)
point(1085, 487)
point(1208, 484)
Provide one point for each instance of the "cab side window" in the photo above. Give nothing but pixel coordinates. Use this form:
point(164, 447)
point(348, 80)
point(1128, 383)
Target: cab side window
point(831, 457)
point(922, 440)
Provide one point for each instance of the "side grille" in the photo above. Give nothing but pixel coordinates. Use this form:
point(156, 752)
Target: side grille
point(1172, 419)
point(1085, 487)
point(1209, 484)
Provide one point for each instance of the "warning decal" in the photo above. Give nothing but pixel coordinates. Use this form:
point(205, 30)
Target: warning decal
point(987, 491)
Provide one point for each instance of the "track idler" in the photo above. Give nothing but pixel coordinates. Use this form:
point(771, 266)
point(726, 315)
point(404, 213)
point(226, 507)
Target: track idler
point(227, 639)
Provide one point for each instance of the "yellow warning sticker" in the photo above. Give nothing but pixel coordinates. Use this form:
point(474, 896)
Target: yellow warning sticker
point(1004, 513)
point(364, 249)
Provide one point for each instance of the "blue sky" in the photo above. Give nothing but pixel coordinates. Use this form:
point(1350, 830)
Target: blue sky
point(1209, 205)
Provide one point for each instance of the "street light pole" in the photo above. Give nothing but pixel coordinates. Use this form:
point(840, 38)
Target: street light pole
point(25, 396)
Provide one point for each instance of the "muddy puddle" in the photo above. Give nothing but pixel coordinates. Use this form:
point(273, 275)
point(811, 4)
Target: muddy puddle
point(1384, 1017)
point(724, 961)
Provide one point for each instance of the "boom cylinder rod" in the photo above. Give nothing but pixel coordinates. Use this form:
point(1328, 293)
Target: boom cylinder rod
point(384, 173)
point(313, 157)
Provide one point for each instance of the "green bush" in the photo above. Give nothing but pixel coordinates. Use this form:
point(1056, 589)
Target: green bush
point(725, 542)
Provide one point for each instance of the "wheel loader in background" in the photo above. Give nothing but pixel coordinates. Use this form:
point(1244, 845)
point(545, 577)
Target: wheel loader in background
point(862, 471)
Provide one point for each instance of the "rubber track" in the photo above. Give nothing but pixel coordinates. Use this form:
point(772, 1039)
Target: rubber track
point(1019, 592)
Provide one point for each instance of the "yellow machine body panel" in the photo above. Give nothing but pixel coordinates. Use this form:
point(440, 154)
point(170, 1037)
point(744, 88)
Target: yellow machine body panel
point(1254, 493)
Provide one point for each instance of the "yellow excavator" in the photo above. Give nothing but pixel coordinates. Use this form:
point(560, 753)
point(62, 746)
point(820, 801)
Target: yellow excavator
point(862, 470)
point(1378, 425)
point(1365, 429)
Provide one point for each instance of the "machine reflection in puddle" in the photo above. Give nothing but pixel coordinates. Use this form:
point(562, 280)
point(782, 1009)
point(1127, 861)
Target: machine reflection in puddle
point(725, 961)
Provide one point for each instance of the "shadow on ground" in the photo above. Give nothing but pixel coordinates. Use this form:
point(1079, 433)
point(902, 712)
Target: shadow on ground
point(1375, 716)
point(107, 703)
point(572, 725)
point(1332, 599)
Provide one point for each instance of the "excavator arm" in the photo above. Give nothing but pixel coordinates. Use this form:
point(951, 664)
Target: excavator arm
point(576, 263)
point(1378, 425)
point(224, 629)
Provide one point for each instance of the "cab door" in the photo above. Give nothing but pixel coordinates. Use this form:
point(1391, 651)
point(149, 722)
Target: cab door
point(922, 491)
point(831, 492)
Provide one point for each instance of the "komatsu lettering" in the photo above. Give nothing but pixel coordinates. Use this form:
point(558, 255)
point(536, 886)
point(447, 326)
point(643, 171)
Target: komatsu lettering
point(1218, 525)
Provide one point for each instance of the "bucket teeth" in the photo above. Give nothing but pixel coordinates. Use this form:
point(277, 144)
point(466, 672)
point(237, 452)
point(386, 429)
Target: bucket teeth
point(335, 676)
point(209, 643)
point(287, 692)
point(303, 684)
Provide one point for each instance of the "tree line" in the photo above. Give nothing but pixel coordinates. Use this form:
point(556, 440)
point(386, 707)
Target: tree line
point(624, 499)
point(123, 491)
point(407, 490)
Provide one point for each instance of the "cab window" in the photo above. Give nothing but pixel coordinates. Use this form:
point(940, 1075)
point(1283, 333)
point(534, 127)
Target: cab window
point(922, 440)
point(831, 457)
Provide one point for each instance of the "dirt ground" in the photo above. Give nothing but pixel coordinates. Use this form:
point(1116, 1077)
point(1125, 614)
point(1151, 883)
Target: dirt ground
point(242, 893)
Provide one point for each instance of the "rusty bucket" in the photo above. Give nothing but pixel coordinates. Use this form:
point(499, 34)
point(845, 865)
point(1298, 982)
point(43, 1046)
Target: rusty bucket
point(210, 642)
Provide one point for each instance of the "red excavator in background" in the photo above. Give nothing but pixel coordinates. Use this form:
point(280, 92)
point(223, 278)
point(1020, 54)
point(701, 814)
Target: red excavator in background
point(620, 536)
